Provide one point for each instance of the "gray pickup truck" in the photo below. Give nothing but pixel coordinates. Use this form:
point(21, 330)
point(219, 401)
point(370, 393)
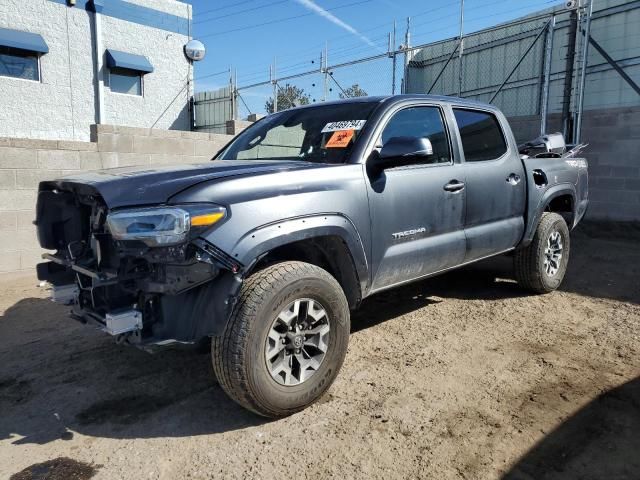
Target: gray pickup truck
point(267, 248)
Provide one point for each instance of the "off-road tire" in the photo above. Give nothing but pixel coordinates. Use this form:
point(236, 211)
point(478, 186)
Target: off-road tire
point(238, 355)
point(529, 261)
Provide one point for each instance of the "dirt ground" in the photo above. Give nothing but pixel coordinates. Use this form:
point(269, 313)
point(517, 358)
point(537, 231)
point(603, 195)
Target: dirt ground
point(460, 376)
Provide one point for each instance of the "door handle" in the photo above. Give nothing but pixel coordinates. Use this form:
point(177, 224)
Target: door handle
point(454, 186)
point(513, 179)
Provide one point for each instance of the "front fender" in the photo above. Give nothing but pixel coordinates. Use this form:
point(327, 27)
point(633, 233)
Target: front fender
point(256, 243)
point(205, 311)
point(538, 204)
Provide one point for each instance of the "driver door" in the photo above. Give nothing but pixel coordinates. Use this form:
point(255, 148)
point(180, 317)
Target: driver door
point(417, 210)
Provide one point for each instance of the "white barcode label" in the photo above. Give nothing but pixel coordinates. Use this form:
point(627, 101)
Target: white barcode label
point(344, 125)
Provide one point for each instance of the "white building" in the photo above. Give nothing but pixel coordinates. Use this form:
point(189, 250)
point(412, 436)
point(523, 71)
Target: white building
point(68, 64)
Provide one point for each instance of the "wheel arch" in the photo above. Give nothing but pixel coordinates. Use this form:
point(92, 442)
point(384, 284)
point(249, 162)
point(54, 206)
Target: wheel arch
point(329, 241)
point(559, 199)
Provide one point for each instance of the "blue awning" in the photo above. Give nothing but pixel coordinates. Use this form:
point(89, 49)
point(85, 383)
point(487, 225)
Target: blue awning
point(129, 61)
point(31, 42)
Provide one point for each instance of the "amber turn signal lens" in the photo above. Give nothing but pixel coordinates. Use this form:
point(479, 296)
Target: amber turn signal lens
point(206, 219)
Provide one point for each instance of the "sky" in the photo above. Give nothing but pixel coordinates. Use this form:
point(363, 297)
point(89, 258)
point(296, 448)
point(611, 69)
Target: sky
point(247, 36)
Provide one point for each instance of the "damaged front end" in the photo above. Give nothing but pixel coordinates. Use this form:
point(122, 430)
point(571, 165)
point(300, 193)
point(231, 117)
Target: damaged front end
point(143, 274)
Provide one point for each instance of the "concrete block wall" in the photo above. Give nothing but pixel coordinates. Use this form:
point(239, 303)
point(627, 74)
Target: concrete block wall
point(613, 136)
point(24, 163)
point(236, 126)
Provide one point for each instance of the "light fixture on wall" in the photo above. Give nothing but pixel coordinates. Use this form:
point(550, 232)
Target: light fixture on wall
point(194, 50)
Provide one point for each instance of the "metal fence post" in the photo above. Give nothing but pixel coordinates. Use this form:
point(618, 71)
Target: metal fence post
point(544, 94)
point(583, 74)
point(461, 50)
point(568, 79)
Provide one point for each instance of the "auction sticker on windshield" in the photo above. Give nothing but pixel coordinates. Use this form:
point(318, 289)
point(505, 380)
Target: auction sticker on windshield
point(344, 125)
point(340, 139)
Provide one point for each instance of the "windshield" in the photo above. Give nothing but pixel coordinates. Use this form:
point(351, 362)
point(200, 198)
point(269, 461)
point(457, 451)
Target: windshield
point(322, 134)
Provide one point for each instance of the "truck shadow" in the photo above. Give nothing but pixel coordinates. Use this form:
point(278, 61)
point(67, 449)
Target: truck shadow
point(57, 377)
point(601, 440)
point(486, 282)
point(605, 263)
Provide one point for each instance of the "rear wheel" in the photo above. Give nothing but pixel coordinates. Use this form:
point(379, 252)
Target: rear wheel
point(286, 340)
point(541, 266)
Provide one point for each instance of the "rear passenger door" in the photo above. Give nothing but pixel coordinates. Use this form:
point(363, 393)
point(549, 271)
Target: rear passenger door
point(495, 185)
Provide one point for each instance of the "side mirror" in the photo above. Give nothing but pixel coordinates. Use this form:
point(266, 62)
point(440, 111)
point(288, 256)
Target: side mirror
point(398, 151)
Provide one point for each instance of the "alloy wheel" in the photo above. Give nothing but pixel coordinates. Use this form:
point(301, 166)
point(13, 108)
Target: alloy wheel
point(553, 253)
point(298, 341)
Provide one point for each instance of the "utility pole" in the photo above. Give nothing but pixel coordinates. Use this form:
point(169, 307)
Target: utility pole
point(234, 85)
point(325, 92)
point(392, 44)
point(407, 53)
point(274, 81)
point(461, 49)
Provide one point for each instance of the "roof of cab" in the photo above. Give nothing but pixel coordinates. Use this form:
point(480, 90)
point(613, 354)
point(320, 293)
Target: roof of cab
point(401, 98)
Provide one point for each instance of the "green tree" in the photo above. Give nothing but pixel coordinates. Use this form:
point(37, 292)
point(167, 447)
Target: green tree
point(353, 91)
point(289, 96)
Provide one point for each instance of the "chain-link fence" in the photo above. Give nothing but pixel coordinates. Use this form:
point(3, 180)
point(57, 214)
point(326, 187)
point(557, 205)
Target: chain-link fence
point(540, 69)
point(503, 66)
point(376, 75)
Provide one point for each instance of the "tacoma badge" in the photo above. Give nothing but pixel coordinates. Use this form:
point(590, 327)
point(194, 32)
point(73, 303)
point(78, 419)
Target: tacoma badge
point(408, 233)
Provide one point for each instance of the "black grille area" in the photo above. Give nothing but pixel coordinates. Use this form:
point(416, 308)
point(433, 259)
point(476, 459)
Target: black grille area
point(61, 220)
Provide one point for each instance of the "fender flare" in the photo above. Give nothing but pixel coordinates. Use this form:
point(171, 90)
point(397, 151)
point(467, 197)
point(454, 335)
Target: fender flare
point(215, 301)
point(255, 244)
point(546, 198)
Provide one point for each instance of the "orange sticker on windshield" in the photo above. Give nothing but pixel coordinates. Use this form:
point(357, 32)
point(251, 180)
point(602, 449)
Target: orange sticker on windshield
point(340, 139)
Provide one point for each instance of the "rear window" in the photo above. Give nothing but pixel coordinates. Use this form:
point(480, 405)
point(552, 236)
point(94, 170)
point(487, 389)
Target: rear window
point(481, 134)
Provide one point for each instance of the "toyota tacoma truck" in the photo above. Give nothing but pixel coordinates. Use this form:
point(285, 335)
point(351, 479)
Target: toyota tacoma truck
point(266, 249)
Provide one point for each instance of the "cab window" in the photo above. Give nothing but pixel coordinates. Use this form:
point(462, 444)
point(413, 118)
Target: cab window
point(421, 122)
point(481, 135)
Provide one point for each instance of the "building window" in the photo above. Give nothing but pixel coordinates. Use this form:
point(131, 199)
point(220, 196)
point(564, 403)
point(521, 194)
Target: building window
point(126, 71)
point(122, 80)
point(19, 64)
point(20, 54)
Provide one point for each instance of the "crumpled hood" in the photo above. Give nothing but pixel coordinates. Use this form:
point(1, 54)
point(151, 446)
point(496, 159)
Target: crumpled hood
point(149, 185)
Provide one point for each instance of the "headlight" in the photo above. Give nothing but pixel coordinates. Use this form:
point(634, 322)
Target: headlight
point(162, 226)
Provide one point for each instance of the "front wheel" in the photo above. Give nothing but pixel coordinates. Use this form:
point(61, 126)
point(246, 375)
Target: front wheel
point(540, 267)
point(286, 340)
